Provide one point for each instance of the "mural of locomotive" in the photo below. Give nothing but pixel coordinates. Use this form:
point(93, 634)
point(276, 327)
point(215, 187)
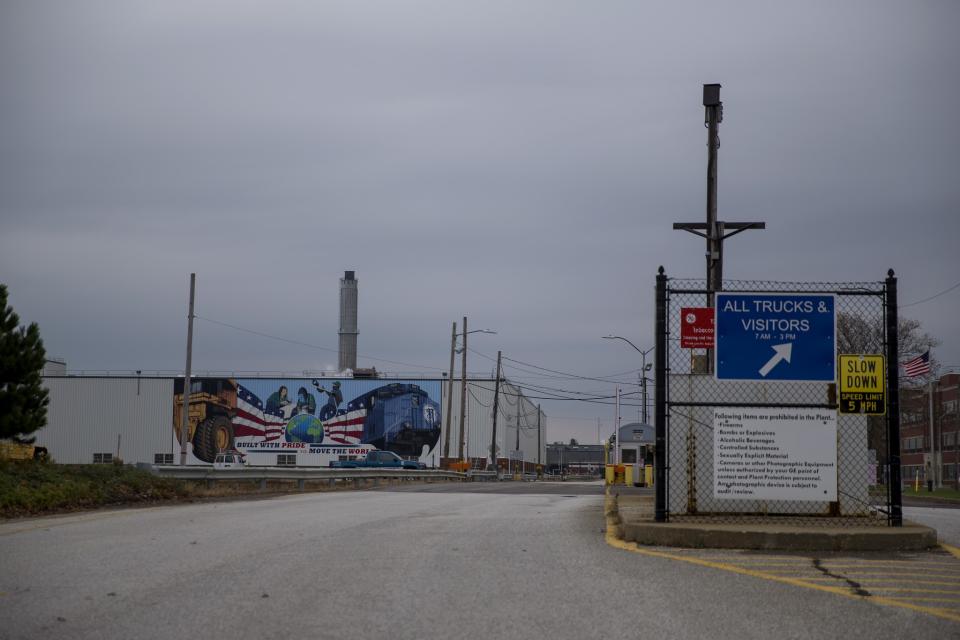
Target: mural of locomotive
point(399, 417)
point(261, 415)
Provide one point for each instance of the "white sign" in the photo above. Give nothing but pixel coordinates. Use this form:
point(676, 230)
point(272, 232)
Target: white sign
point(775, 454)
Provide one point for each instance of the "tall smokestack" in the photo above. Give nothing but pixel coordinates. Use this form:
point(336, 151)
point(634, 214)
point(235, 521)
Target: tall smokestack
point(348, 321)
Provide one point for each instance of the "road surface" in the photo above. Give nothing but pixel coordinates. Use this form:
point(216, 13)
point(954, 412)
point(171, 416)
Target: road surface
point(494, 560)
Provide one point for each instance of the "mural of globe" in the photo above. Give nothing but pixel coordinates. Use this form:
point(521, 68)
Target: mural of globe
point(305, 428)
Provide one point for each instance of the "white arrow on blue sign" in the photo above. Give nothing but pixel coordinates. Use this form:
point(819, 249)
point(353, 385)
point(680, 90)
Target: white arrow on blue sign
point(776, 336)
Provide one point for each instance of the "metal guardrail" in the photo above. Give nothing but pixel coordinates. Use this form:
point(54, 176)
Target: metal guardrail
point(302, 474)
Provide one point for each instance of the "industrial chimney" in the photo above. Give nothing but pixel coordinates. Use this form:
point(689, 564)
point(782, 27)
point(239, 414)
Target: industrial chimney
point(348, 322)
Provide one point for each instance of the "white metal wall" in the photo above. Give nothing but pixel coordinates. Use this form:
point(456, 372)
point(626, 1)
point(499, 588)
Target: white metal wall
point(87, 415)
point(479, 423)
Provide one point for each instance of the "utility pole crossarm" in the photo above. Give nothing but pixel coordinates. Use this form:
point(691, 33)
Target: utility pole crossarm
point(694, 227)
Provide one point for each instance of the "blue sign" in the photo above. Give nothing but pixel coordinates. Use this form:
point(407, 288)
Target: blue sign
point(773, 336)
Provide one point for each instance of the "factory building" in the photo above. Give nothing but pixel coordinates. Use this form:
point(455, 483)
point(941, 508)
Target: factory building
point(296, 421)
point(288, 421)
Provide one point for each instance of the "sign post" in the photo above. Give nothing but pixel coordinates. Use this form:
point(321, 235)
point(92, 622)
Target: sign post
point(776, 336)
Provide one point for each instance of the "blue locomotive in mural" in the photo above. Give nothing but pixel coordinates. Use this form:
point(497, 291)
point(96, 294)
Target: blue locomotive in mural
point(398, 417)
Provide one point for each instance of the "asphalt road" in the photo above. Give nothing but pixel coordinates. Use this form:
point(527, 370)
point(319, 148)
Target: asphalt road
point(505, 560)
point(946, 520)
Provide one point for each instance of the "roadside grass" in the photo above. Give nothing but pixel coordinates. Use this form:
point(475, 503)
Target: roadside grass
point(939, 494)
point(32, 487)
point(29, 487)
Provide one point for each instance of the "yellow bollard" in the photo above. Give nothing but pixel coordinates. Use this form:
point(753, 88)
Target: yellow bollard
point(611, 469)
point(648, 475)
point(628, 475)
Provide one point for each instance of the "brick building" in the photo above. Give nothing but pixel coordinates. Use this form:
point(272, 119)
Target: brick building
point(916, 462)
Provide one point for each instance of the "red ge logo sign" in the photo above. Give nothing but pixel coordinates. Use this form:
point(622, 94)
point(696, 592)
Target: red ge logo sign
point(696, 328)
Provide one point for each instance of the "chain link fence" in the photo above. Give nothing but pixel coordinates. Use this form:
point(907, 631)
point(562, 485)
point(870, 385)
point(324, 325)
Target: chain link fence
point(693, 394)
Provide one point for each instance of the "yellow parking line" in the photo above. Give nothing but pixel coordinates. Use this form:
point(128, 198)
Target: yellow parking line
point(909, 590)
point(957, 600)
point(899, 570)
point(854, 574)
point(952, 550)
point(846, 592)
point(947, 565)
point(872, 582)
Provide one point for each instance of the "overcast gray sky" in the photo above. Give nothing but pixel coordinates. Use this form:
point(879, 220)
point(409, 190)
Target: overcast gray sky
point(520, 163)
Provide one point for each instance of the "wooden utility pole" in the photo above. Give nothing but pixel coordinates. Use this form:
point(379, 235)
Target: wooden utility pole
point(496, 401)
point(539, 437)
point(463, 394)
point(519, 398)
point(453, 347)
point(185, 413)
point(714, 231)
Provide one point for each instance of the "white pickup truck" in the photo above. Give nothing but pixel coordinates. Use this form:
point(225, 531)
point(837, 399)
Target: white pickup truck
point(229, 460)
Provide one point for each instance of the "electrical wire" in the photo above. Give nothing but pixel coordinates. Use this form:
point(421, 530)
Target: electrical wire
point(562, 376)
point(307, 344)
point(569, 375)
point(933, 297)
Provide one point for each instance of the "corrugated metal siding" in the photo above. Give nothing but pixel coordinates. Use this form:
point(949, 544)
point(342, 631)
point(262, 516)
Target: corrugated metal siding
point(480, 421)
point(86, 415)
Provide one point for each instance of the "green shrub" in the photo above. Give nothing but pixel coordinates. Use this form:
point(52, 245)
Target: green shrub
point(35, 486)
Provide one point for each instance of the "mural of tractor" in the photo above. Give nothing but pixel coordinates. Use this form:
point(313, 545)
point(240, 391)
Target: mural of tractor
point(212, 406)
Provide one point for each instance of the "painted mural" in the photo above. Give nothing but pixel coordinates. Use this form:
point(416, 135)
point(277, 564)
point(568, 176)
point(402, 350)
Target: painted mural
point(318, 420)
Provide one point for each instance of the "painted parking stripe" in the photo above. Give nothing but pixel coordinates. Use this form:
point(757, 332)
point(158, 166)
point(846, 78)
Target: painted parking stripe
point(845, 591)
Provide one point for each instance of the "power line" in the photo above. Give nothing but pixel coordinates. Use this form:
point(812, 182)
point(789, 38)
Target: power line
point(307, 344)
point(563, 375)
point(933, 297)
point(545, 389)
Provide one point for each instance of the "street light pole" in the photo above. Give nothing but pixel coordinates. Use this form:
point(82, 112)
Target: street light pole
point(463, 387)
point(453, 348)
point(463, 394)
point(646, 367)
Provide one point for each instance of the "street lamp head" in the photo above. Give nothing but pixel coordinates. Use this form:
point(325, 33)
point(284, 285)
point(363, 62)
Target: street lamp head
point(481, 331)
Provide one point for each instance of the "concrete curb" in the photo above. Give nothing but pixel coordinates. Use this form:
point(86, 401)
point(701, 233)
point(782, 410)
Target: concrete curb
point(773, 536)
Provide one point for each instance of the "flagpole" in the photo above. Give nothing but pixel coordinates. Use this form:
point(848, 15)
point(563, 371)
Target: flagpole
point(933, 480)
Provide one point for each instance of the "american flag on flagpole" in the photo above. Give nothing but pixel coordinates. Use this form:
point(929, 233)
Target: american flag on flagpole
point(252, 420)
point(919, 366)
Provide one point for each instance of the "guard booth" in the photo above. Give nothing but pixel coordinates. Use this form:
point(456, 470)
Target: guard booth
point(635, 448)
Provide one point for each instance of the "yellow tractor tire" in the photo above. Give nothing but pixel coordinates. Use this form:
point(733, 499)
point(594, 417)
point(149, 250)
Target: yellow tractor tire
point(213, 435)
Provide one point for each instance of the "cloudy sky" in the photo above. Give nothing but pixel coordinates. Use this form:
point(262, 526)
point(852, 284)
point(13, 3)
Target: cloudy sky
point(520, 163)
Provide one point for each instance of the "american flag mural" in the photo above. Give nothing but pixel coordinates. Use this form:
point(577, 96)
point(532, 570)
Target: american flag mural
point(251, 420)
point(346, 428)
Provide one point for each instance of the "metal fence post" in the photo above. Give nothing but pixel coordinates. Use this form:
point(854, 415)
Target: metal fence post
point(660, 397)
point(893, 403)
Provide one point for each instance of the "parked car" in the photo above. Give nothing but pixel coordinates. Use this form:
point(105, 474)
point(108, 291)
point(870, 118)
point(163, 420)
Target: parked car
point(229, 460)
point(379, 459)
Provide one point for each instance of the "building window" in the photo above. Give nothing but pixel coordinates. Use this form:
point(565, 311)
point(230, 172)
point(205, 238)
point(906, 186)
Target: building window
point(163, 458)
point(102, 458)
point(286, 460)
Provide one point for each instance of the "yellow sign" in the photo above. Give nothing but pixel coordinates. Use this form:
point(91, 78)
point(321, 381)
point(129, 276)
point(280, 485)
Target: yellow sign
point(862, 378)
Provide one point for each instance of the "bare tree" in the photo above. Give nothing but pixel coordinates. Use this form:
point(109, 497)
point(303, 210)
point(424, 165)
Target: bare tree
point(856, 334)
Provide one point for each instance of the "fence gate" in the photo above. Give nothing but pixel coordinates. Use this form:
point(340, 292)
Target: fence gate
point(740, 440)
